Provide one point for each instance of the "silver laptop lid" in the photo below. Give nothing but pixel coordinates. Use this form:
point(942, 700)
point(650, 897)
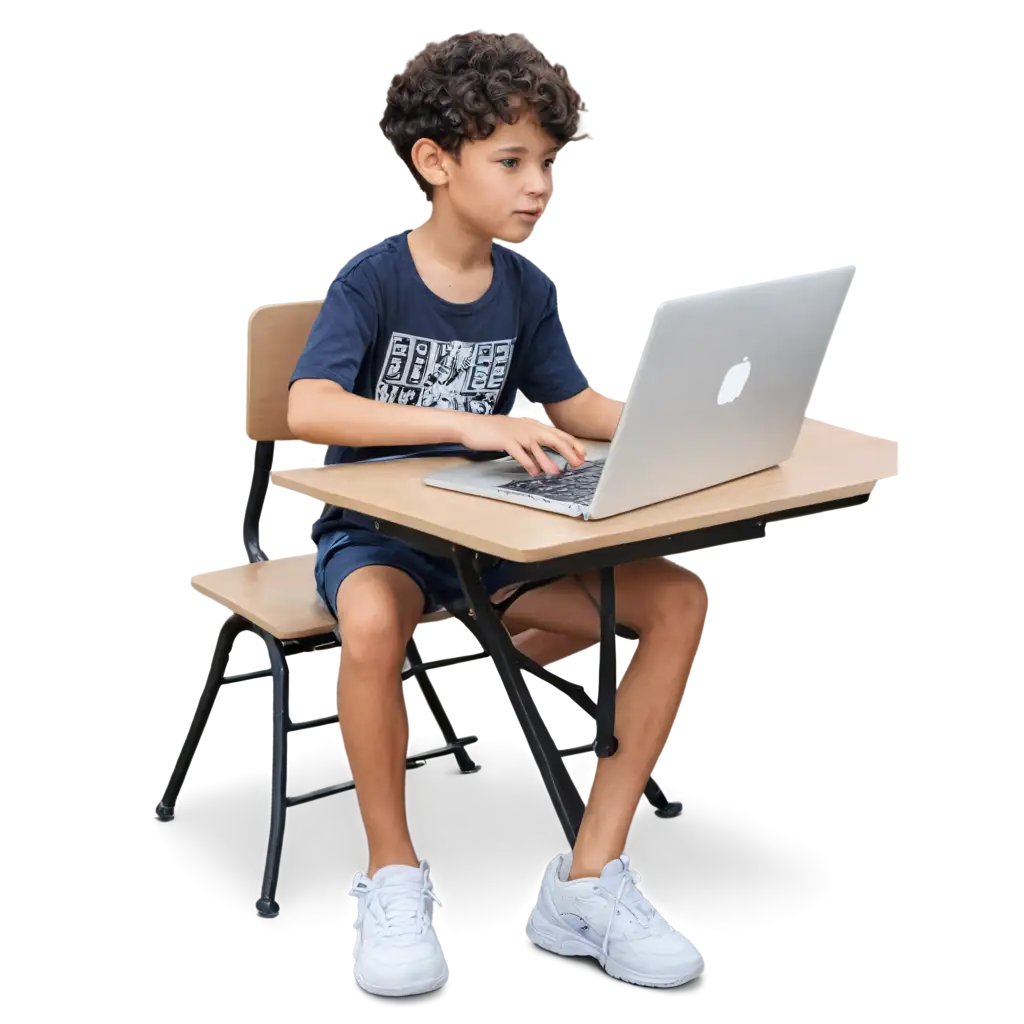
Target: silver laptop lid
point(721, 388)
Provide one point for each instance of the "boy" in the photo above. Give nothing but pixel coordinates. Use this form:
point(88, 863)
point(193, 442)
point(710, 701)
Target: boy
point(419, 348)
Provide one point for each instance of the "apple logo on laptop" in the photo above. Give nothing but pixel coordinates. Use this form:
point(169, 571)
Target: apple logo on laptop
point(732, 383)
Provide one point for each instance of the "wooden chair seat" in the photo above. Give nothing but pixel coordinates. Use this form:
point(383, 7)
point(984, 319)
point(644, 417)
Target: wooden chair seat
point(279, 595)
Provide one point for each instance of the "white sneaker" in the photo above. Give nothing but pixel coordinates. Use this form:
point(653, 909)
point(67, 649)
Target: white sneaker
point(607, 918)
point(396, 950)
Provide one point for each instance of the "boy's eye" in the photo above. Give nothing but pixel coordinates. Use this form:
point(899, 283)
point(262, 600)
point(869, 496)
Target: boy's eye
point(512, 162)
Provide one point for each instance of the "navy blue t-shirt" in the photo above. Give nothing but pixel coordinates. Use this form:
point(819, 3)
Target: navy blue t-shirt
point(382, 333)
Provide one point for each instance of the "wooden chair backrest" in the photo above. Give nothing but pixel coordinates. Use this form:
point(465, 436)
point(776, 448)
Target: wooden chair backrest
point(277, 336)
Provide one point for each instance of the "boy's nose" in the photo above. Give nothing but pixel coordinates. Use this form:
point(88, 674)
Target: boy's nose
point(537, 183)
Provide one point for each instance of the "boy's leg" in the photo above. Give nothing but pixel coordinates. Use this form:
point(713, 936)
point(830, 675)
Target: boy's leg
point(665, 605)
point(378, 609)
point(545, 645)
point(378, 606)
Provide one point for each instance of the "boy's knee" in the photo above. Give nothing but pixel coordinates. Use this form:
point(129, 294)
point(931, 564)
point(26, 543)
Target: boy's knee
point(372, 635)
point(680, 596)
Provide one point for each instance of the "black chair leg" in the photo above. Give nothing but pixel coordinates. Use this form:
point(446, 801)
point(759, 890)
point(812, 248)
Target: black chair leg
point(660, 802)
point(266, 905)
point(231, 628)
point(437, 708)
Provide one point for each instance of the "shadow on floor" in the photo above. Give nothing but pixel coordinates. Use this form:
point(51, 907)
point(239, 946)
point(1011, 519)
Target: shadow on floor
point(487, 838)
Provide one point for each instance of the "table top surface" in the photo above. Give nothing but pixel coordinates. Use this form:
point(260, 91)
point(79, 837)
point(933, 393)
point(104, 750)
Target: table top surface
point(827, 463)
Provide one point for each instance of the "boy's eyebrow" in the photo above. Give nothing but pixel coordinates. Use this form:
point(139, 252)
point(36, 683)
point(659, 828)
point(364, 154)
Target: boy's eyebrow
point(523, 149)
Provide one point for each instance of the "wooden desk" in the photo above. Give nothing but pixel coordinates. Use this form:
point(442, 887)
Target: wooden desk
point(829, 468)
point(827, 463)
point(949, 459)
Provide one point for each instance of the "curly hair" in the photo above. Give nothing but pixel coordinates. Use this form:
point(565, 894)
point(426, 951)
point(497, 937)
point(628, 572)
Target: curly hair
point(457, 89)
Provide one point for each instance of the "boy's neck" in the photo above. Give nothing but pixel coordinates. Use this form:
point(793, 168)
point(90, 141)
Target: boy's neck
point(450, 244)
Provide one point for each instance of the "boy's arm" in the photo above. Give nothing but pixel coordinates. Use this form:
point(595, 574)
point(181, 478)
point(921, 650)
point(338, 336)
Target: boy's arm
point(587, 414)
point(323, 412)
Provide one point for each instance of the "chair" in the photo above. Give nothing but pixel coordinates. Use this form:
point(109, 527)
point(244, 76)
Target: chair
point(277, 600)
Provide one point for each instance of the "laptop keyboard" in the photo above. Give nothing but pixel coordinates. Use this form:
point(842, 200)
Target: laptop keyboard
point(571, 485)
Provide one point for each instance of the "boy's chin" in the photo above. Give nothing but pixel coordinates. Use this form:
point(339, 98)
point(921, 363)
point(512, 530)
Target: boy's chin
point(516, 232)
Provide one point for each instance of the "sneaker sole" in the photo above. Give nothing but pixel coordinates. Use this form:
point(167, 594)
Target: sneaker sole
point(555, 940)
point(412, 989)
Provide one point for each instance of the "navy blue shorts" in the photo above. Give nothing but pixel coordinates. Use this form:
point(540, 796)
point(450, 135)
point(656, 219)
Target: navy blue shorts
point(341, 551)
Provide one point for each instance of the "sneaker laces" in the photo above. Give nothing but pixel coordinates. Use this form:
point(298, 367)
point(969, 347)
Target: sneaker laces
point(633, 900)
point(399, 907)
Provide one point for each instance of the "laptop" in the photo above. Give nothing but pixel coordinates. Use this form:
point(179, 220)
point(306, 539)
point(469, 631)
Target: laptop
point(720, 392)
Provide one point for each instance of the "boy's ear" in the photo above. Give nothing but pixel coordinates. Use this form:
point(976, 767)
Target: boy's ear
point(428, 158)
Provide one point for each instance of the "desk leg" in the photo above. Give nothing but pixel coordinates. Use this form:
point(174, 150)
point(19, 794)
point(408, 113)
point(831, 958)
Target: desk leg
point(566, 798)
point(605, 744)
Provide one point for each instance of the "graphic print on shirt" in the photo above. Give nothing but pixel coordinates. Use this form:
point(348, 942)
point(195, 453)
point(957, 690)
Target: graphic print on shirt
point(462, 375)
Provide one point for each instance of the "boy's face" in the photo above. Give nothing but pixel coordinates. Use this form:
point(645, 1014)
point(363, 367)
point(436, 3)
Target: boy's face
point(496, 178)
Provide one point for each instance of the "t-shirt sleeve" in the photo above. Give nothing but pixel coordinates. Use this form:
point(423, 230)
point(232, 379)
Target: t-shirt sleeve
point(344, 329)
point(549, 372)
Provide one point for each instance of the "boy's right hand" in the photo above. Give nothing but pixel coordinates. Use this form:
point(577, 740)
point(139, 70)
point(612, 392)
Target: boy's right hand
point(522, 438)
